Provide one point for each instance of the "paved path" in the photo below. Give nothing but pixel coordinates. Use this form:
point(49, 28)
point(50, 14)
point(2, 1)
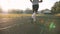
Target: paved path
point(20, 25)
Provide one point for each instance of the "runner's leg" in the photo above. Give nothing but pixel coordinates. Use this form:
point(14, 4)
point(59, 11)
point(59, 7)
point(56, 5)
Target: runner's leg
point(35, 10)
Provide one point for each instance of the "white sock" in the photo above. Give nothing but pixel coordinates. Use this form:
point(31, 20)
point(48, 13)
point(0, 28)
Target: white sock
point(34, 16)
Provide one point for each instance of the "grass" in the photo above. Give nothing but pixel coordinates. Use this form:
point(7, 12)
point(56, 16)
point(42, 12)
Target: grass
point(16, 15)
point(20, 15)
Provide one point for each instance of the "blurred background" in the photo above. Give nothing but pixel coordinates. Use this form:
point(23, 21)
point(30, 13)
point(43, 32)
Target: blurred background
point(15, 17)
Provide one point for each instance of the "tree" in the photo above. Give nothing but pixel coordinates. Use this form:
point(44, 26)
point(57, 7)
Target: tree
point(28, 11)
point(56, 8)
point(16, 11)
point(0, 10)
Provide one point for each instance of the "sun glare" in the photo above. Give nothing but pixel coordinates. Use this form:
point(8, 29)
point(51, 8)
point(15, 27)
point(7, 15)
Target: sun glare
point(23, 4)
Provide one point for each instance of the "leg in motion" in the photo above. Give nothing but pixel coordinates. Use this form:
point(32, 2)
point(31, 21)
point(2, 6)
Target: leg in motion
point(34, 17)
point(35, 10)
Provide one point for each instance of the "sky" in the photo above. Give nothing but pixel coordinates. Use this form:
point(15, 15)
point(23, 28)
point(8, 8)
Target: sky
point(24, 4)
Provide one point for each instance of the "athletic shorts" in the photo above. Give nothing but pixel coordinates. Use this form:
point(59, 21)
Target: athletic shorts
point(35, 7)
